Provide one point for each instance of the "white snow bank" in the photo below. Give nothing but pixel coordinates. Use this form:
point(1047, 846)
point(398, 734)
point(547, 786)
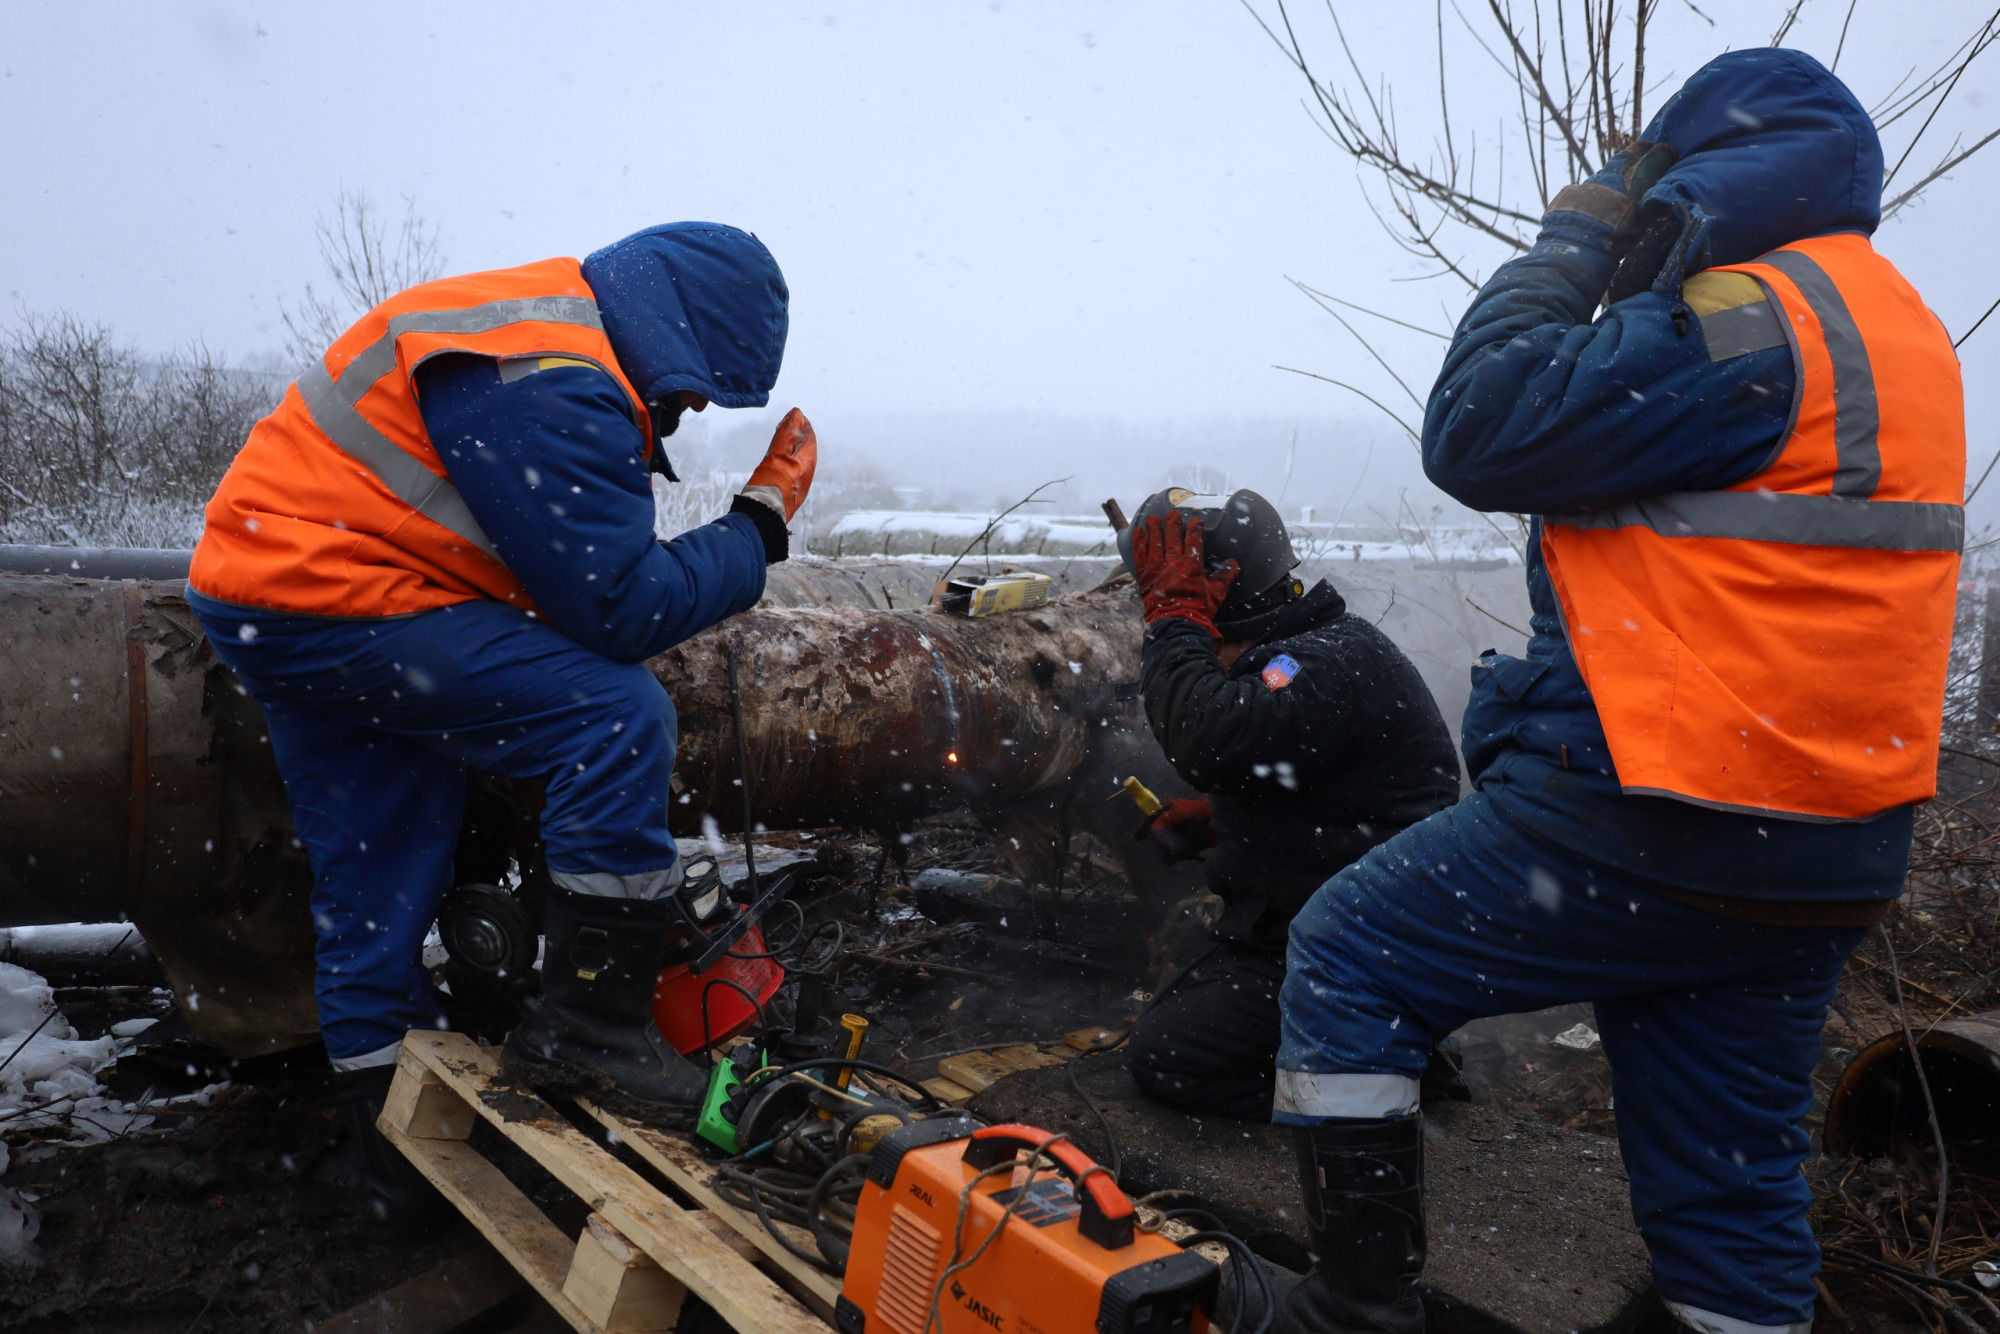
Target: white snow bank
point(41, 1059)
point(48, 1075)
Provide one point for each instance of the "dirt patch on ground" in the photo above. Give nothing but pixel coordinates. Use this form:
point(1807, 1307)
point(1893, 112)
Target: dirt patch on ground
point(234, 1221)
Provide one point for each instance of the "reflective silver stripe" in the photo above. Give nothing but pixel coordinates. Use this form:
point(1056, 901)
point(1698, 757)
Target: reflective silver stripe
point(1740, 330)
point(1856, 415)
point(1303, 1093)
point(409, 481)
point(332, 402)
point(1770, 516)
point(369, 1060)
point(1709, 1322)
point(644, 886)
point(379, 357)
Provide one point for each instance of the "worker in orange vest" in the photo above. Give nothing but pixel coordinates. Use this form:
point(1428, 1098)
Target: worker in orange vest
point(437, 554)
point(1695, 789)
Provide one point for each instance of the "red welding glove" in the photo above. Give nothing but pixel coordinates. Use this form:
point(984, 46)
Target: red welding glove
point(1180, 829)
point(1167, 565)
point(786, 474)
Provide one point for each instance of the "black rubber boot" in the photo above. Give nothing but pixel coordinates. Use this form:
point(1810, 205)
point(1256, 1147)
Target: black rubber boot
point(401, 1203)
point(592, 1033)
point(1364, 1194)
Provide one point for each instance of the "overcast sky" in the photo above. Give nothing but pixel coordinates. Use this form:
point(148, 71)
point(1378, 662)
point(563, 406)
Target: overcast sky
point(1021, 237)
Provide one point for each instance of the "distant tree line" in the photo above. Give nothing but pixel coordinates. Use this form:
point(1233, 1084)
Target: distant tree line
point(100, 445)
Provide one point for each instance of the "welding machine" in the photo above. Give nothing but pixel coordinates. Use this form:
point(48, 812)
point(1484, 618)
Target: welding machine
point(1068, 1258)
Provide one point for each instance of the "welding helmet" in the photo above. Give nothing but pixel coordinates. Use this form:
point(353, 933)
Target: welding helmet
point(1244, 528)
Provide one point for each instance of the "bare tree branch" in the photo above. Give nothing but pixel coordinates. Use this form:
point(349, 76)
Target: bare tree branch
point(1368, 347)
point(1785, 27)
point(1327, 296)
point(1889, 209)
point(366, 263)
point(1363, 393)
point(1980, 43)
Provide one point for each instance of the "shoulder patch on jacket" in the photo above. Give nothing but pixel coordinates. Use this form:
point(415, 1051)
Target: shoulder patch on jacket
point(1737, 317)
point(1279, 671)
point(517, 368)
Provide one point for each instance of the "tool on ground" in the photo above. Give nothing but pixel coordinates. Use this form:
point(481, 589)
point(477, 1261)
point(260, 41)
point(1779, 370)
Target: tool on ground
point(856, 1028)
point(946, 1238)
point(979, 595)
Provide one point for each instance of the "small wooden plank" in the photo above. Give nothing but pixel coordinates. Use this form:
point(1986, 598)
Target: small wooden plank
point(976, 1070)
point(421, 1106)
point(471, 1284)
point(1094, 1038)
point(618, 1286)
point(681, 1163)
point(745, 1298)
point(950, 1090)
point(1028, 1056)
point(522, 1233)
point(979, 1070)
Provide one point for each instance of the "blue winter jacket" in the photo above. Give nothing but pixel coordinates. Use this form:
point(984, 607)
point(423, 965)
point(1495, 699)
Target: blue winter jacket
point(1542, 409)
point(553, 465)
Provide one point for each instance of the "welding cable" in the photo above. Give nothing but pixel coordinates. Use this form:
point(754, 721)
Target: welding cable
point(708, 1040)
point(831, 1244)
point(828, 1088)
point(1111, 1148)
point(771, 951)
point(823, 1205)
point(1241, 1257)
point(752, 1197)
point(801, 966)
point(855, 1063)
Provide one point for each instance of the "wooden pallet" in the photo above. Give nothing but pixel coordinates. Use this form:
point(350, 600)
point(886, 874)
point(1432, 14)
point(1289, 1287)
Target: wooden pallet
point(641, 1253)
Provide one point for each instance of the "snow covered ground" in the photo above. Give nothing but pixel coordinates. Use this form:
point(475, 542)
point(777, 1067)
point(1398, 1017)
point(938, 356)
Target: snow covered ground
point(923, 534)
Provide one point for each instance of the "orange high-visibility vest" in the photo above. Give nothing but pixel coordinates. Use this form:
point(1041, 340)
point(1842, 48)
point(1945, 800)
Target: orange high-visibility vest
point(338, 505)
point(1781, 646)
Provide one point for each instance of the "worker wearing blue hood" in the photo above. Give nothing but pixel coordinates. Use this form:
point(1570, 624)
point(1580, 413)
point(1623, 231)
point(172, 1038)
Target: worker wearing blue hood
point(438, 554)
point(1695, 789)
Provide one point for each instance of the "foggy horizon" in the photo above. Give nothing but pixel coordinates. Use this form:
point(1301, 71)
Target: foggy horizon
point(1025, 241)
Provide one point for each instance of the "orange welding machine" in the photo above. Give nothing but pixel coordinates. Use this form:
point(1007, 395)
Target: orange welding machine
point(1068, 1257)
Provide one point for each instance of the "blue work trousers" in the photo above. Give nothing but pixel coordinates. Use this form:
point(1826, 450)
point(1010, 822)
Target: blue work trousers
point(374, 723)
point(1712, 1027)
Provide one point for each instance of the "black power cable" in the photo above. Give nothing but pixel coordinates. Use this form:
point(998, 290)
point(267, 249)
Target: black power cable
point(1111, 1148)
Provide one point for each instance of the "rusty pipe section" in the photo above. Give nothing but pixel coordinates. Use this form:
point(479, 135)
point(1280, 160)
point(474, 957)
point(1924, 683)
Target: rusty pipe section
point(873, 720)
point(136, 778)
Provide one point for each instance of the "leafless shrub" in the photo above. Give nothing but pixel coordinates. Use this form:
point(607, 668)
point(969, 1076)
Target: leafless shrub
point(99, 446)
point(366, 260)
point(1464, 198)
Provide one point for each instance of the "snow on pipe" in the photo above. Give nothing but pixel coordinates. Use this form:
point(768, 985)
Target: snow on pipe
point(82, 954)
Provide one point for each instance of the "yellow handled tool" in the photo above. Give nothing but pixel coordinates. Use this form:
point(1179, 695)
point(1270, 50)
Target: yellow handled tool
point(1143, 795)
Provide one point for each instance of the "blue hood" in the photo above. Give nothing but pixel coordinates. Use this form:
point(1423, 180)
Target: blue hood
point(1773, 149)
point(696, 306)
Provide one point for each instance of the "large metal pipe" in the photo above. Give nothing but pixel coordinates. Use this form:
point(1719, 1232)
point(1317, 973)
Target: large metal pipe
point(136, 781)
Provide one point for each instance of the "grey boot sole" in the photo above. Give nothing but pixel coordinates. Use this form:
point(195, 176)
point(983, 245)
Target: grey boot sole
point(581, 1081)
